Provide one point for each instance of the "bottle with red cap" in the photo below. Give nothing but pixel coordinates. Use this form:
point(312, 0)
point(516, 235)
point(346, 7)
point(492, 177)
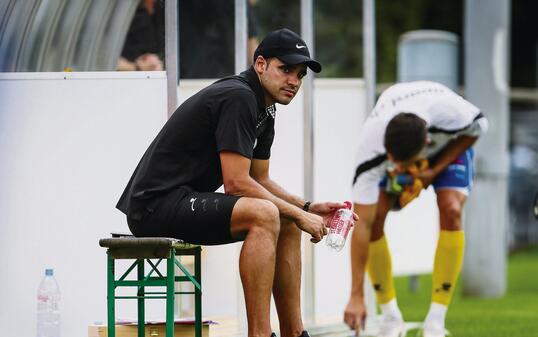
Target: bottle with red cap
point(340, 224)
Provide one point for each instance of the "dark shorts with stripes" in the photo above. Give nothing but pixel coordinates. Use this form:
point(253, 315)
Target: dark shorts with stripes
point(195, 217)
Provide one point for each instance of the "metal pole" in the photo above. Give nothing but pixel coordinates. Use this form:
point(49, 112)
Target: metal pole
point(171, 53)
point(307, 33)
point(241, 37)
point(368, 22)
point(171, 11)
point(487, 28)
point(241, 40)
point(368, 31)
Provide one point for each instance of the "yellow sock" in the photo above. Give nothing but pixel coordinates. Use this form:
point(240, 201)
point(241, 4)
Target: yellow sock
point(447, 265)
point(379, 268)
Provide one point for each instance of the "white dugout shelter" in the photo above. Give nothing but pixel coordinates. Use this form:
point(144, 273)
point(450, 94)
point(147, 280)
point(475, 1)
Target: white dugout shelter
point(70, 140)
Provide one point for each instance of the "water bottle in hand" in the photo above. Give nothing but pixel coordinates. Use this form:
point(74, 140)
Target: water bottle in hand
point(48, 311)
point(340, 225)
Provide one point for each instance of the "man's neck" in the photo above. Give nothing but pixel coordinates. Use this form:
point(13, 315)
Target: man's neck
point(269, 101)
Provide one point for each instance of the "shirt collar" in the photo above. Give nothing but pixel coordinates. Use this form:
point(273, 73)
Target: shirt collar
point(253, 81)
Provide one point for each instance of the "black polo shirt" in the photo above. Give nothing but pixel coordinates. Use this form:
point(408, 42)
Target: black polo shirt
point(228, 115)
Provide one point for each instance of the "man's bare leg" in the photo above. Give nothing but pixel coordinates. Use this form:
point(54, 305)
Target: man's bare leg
point(287, 282)
point(259, 221)
point(450, 203)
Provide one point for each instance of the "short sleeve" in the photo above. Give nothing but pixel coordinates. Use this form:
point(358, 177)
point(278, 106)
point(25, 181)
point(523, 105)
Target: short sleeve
point(236, 126)
point(478, 127)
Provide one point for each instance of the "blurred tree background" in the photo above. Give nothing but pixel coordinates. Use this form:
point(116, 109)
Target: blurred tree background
point(338, 32)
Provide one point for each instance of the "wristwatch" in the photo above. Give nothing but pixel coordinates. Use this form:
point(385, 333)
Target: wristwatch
point(306, 206)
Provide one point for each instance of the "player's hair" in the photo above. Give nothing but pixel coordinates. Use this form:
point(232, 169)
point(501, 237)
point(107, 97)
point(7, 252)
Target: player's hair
point(405, 136)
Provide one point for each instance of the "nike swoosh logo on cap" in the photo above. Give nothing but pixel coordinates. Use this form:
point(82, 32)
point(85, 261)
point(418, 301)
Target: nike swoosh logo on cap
point(299, 46)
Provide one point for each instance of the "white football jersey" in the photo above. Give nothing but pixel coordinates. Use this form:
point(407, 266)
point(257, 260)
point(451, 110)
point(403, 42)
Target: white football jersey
point(447, 116)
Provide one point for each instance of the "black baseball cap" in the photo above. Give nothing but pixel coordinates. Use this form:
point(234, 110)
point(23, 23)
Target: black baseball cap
point(288, 47)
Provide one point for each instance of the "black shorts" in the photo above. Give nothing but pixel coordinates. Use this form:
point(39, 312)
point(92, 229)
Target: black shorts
point(196, 217)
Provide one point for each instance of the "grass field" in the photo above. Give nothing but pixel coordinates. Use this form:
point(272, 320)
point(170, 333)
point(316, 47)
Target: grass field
point(514, 315)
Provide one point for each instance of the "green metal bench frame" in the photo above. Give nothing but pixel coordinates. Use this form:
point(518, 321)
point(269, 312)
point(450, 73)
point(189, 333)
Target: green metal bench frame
point(148, 249)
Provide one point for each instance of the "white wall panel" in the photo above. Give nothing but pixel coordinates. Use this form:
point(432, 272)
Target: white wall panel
point(68, 145)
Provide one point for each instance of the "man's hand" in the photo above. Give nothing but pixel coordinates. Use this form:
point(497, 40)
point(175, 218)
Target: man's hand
point(327, 209)
point(149, 62)
point(427, 177)
point(316, 220)
point(355, 314)
point(312, 224)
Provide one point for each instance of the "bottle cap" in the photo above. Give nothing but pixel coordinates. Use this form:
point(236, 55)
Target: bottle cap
point(348, 204)
point(49, 272)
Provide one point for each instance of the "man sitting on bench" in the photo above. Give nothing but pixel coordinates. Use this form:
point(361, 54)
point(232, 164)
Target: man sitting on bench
point(223, 135)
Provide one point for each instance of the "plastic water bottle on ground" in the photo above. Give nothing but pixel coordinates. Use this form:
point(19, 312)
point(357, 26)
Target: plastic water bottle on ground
point(340, 224)
point(48, 310)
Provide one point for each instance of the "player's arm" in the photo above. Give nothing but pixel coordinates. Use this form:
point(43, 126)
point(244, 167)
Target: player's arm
point(452, 151)
point(355, 312)
point(237, 181)
point(359, 246)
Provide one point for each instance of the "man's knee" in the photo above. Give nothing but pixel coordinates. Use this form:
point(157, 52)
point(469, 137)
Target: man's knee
point(266, 215)
point(451, 212)
point(377, 227)
point(255, 214)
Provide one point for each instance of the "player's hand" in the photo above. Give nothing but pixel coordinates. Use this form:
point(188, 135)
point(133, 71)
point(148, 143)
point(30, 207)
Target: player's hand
point(427, 177)
point(355, 314)
point(313, 224)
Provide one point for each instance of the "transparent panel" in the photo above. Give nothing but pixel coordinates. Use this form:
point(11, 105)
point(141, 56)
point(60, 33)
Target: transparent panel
point(207, 35)
point(111, 46)
point(91, 34)
point(523, 178)
point(15, 32)
point(59, 52)
point(143, 46)
point(6, 7)
point(41, 28)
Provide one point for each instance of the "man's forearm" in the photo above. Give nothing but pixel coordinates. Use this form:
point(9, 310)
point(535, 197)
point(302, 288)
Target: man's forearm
point(452, 151)
point(251, 188)
point(359, 257)
point(360, 241)
point(281, 193)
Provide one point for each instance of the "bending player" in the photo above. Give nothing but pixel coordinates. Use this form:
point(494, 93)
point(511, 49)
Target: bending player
point(411, 122)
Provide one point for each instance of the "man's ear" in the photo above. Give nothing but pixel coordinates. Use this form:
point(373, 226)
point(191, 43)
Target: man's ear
point(260, 64)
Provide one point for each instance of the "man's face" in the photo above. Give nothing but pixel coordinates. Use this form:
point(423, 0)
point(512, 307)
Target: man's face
point(403, 166)
point(280, 81)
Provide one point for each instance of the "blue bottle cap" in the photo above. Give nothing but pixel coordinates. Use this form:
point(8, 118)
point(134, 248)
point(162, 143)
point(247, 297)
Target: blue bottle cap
point(49, 272)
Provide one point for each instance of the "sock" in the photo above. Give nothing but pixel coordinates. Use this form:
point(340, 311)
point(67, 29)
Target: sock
point(447, 265)
point(379, 267)
point(391, 309)
point(436, 315)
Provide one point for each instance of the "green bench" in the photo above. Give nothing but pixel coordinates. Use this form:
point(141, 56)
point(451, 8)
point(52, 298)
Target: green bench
point(153, 251)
